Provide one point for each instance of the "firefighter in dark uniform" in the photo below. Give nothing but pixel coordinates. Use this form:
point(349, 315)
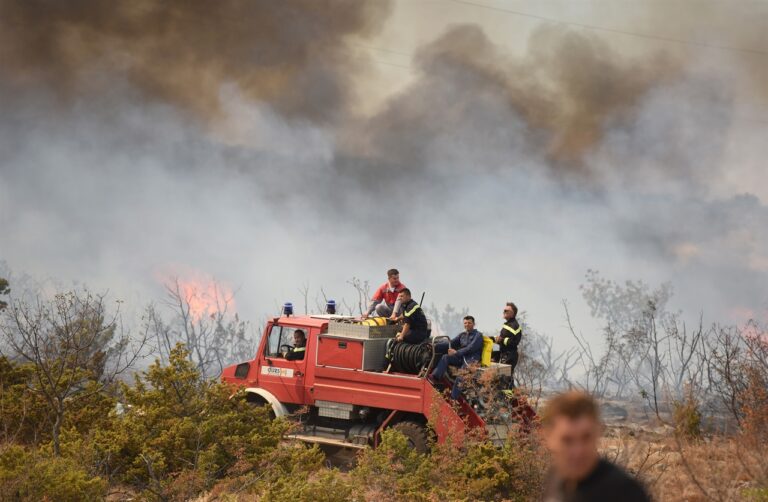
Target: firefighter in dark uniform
point(509, 337)
point(415, 328)
point(299, 346)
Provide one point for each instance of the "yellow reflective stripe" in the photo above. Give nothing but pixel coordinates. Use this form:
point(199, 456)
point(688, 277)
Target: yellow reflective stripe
point(408, 314)
point(299, 349)
point(511, 330)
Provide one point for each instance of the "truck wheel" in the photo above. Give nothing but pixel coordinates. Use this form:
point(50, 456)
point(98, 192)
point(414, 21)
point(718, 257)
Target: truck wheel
point(330, 449)
point(416, 434)
point(257, 400)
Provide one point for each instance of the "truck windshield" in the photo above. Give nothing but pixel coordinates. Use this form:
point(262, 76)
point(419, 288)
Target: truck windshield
point(279, 336)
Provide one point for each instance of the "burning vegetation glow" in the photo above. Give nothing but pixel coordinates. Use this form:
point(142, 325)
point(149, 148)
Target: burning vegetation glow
point(206, 297)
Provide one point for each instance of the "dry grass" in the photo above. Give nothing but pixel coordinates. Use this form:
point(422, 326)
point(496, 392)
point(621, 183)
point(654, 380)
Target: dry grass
point(675, 469)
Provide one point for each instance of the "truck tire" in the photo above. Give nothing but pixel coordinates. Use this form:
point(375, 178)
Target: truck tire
point(256, 400)
point(330, 449)
point(416, 434)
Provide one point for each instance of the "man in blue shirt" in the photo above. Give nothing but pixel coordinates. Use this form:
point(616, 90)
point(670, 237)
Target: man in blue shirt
point(465, 348)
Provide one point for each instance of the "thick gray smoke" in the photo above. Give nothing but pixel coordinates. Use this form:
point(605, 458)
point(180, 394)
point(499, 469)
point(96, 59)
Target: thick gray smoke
point(553, 104)
point(132, 150)
point(288, 54)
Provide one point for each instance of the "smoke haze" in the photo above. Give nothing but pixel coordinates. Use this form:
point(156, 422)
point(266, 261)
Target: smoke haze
point(288, 54)
point(147, 139)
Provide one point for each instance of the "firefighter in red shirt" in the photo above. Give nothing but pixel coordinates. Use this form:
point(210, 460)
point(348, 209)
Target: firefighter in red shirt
point(385, 301)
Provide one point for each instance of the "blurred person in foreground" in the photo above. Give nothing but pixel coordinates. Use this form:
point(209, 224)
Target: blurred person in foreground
point(571, 428)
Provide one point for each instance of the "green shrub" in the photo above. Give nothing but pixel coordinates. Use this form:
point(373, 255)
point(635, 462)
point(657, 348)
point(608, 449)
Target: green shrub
point(473, 471)
point(180, 435)
point(29, 475)
point(181, 430)
point(756, 494)
point(394, 470)
point(297, 473)
point(23, 413)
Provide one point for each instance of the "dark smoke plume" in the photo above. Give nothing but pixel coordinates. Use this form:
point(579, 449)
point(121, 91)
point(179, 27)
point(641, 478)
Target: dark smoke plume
point(554, 103)
point(290, 54)
point(570, 85)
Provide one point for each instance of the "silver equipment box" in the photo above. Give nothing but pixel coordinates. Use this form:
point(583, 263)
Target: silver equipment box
point(374, 352)
point(361, 332)
point(497, 368)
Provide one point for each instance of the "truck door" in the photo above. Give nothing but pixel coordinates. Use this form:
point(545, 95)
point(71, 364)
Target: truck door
point(283, 378)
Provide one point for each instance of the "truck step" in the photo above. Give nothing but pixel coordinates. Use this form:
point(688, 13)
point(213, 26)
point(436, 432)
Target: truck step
point(308, 438)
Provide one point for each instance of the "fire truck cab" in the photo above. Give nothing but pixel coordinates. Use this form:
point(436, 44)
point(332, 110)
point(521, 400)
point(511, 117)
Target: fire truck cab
point(339, 393)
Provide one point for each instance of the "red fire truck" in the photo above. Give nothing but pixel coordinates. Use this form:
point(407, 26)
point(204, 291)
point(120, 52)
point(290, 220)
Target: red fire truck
point(341, 393)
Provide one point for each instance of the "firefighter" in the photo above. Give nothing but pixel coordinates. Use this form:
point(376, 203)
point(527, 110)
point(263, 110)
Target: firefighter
point(415, 329)
point(465, 348)
point(509, 337)
point(299, 346)
point(386, 299)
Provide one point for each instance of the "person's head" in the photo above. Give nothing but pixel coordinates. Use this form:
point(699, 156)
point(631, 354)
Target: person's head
point(469, 323)
point(393, 277)
point(510, 311)
point(571, 428)
point(405, 295)
point(299, 338)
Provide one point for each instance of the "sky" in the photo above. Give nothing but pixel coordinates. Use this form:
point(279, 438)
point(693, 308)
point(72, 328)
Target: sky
point(490, 150)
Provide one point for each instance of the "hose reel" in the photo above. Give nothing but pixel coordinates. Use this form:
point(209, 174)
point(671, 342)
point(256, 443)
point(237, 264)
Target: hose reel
point(410, 358)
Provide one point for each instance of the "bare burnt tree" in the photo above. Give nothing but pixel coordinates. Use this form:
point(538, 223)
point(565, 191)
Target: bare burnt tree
point(595, 368)
point(622, 373)
point(557, 365)
point(530, 374)
point(653, 352)
point(647, 350)
point(540, 365)
point(304, 292)
point(756, 341)
point(655, 357)
point(726, 353)
point(623, 306)
point(321, 300)
point(563, 379)
point(363, 289)
point(641, 351)
point(75, 346)
point(687, 365)
point(732, 355)
point(214, 338)
point(447, 321)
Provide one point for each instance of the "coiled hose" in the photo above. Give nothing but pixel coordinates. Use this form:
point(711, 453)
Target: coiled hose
point(410, 358)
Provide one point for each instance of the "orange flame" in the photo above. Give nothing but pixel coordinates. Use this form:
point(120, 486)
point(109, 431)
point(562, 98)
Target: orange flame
point(202, 295)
